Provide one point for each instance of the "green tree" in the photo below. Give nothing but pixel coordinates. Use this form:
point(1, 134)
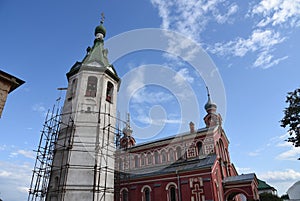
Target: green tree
point(269, 197)
point(291, 117)
point(285, 197)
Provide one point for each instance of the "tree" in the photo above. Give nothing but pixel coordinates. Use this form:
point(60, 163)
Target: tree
point(285, 197)
point(291, 117)
point(269, 197)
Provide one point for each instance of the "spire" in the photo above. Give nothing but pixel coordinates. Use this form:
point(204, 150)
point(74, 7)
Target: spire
point(127, 140)
point(212, 118)
point(100, 30)
point(210, 107)
point(127, 130)
point(96, 57)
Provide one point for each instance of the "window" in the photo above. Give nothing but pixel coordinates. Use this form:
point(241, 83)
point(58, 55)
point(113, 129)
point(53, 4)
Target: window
point(147, 194)
point(200, 149)
point(124, 195)
point(91, 88)
point(171, 155)
point(121, 164)
point(178, 153)
point(163, 156)
point(156, 157)
point(172, 193)
point(143, 159)
point(109, 92)
point(136, 161)
point(149, 156)
point(72, 90)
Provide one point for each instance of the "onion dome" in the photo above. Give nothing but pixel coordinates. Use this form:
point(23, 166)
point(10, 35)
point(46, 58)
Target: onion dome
point(100, 30)
point(210, 107)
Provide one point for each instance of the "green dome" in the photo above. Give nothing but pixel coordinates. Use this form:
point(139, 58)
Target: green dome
point(100, 29)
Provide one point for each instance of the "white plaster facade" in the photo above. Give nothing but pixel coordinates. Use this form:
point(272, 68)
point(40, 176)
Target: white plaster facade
point(83, 162)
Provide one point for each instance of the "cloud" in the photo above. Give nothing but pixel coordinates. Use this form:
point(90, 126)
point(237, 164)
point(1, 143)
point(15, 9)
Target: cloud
point(39, 108)
point(151, 97)
point(191, 18)
point(27, 154)
point(292, 154)
point(260, 42)
point(182, 76)
point(276, 176)
point(278, 12)
point(14, 176)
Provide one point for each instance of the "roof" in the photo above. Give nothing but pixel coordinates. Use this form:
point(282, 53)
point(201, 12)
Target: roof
point(240, 178)
point(14, 81)
point(262, 185)
point(168, 138)
point(178, 166)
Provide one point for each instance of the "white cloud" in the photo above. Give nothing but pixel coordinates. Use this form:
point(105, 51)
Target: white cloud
point(39, 108)
point(27, 154)
point(4, 173)
point(278, 12)
point(14, 176)
point(151, 97)
point(190, 18)
point(292, 154)
point(260, 42)
point(182, 76)
point(286, 175)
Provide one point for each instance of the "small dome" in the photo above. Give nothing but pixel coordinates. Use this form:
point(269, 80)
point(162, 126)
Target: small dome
point(100, 29)
point(210, 105)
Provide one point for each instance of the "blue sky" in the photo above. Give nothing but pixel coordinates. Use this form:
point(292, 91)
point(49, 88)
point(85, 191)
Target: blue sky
point(253, 45)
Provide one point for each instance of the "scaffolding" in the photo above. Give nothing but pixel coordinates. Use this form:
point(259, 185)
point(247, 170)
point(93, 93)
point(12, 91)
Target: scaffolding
point(44, 156)
point(58, 139)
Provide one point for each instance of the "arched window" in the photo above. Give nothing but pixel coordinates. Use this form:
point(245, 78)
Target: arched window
point(172, 193)
point(72, 90)
point(156, 157)
point(163, 156)
point(109, 92)
point(199, 148)
point(149, 157)
point(178, 153)
point(143, 159)
point(171, 155)
point(124, 195)
point(121, 164)
point(136, 161)
point(91, 88)
point(147, 194)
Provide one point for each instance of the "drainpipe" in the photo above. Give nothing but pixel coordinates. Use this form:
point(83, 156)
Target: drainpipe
point(179, 187)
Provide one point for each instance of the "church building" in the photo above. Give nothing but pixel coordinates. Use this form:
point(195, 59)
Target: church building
point(90, 161)
point(191, 166)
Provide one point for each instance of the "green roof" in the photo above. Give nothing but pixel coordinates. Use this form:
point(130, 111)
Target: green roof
point(262, 185)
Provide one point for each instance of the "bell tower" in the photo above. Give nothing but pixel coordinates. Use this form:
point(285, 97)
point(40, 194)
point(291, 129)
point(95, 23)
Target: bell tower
point(83, 161)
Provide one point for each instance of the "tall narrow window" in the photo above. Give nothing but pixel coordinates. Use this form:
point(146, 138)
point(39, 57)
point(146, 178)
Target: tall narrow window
point(156, 157)
point(172, 193)
point(124, 195)
point(147, 194)
point(136, 161)
point(163, 156)
point(72, 90)
point(143, 159)
point(178, 152)
point(91, 88)
point(171, 155)
point(200, 149)
point(149, 156)
point(109, 92)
